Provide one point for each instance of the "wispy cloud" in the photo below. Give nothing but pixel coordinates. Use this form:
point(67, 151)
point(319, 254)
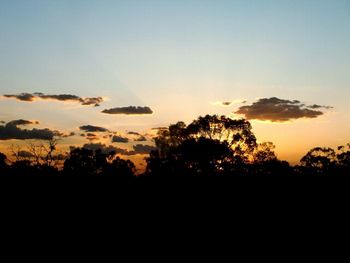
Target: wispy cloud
point(227, 104)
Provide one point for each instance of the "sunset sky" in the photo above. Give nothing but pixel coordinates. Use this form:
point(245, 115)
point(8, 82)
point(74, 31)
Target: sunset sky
point(176, 60)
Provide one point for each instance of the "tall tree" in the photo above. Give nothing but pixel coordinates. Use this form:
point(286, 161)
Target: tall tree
point(209, 145)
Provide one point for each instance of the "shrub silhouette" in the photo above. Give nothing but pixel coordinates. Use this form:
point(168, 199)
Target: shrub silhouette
point(95, 163)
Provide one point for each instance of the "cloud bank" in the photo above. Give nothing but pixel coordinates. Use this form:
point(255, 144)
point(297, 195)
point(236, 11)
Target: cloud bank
point(90, 128)
point(11, 131)
point(280, 110)
point(104, 148)
point(143, 149)
point(119, 139)
point(131, 110)
point(137, 149)
point(141, 138)
point(31, 97)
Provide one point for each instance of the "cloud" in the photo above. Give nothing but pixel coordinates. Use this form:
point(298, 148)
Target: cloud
point(11, 131)
point(120, 139)
point(133, 133)
point(90, 128)
point(315, 107)
point(22, 97)
point(21, 122)
point(92, 137)
point(104, 148)
point(160, 129)
point(71, 134)
point(141, 139)
point(279, 110)
point(138, 149)
point(131, 110)
point(28, 97)
point(227, 104)
point(143, 149)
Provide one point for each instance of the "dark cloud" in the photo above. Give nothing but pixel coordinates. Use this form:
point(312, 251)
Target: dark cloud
point(316, 107)
point(133, 133)
point(132, 110)
point(90, 128)
point(21, 122)
point(68, 135)
point(160, 128)
point(92, 137)
point(22, 97)
point(28, 97)
point(143, 149)
point(279, 110)
point(138, 149)
point(141, 139)
point(11, 131)
point(229, 103)
point(119, 139)
point(105, 148)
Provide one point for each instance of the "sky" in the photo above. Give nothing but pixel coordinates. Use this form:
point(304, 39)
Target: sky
point(180, 58)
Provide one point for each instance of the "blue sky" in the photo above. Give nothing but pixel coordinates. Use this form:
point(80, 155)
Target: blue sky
point(178, 56)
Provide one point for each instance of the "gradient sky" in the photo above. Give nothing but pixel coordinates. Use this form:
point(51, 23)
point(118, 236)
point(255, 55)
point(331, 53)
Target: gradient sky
point(177, 57)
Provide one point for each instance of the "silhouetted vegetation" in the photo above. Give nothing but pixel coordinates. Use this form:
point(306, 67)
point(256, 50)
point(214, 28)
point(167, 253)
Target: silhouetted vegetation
point(211, 146)
point(95, 163)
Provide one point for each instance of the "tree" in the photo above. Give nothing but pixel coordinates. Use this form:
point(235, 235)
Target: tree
point(43, 153)
point(343, 159)
point(3, 164)
point(236, 133)
point(264, 152)
point(319, 161)
point(121, 168)
point(210, 145)
point(84, 162)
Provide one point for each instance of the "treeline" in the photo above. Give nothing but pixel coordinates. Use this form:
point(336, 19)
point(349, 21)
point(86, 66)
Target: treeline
point(209, 146)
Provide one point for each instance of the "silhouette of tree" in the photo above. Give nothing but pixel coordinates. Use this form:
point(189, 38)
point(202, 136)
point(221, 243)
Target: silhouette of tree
point(3, 164)
point(343, 159)
point(320, 161)
point(121, 168)
point(264, 152)
point(95, 163)
point(23, 168)
point(210, 145)
point(236, 133)
point(43, 153)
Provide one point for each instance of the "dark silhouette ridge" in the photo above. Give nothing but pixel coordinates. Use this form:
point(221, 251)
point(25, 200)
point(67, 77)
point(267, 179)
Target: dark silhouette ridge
point(210, 146)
